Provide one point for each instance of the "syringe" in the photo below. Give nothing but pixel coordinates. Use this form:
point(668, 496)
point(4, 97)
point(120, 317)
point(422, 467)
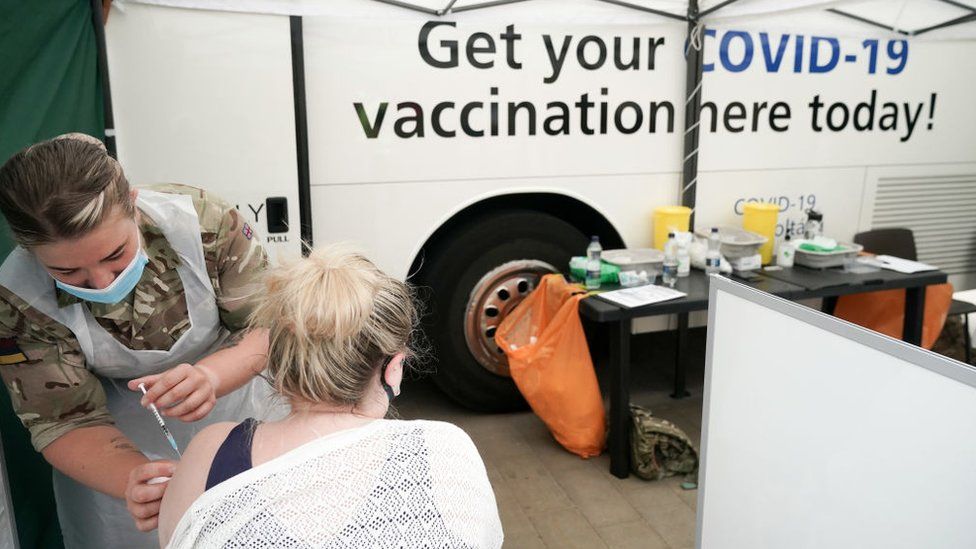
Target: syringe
point(162, 424)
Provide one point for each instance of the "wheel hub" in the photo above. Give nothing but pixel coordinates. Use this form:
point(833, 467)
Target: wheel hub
point(492, 298)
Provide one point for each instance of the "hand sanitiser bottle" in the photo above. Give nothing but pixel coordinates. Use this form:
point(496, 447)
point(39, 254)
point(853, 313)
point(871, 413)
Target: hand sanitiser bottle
point(670, 274)
point(713, 258)
point(785, 252)
point(593, 252)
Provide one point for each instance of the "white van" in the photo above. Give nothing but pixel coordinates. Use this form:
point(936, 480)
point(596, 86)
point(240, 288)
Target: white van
point(475, 150)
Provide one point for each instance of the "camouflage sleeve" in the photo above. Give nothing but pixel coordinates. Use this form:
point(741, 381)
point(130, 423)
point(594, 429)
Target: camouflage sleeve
point(44, 371)
point(236, 259)
point(241, 264)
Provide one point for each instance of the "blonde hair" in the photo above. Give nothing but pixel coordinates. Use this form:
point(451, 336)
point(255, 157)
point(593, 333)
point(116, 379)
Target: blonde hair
point(334, 319)
point(61, 188)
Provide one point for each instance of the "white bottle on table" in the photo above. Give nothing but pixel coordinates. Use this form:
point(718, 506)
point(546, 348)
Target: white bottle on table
point(670, 274)
point(683, 243)
point(814, 225)
point(593, 253)
point(785, 252)
point(713, 258)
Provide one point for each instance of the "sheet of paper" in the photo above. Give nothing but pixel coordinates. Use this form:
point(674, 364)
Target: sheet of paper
point(641, 295)
point(900, 265)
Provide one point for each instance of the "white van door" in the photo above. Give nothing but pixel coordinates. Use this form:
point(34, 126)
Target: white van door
point(205, 99)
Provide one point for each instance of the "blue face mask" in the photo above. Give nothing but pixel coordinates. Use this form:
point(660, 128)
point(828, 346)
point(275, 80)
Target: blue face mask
point(118, 289)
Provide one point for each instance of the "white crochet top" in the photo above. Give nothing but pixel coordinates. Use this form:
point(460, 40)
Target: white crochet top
point(390, 483)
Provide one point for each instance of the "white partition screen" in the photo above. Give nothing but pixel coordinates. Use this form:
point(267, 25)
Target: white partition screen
point(820, 434)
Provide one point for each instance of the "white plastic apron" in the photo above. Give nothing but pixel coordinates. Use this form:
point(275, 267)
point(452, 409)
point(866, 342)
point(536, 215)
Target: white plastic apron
point(89, 518)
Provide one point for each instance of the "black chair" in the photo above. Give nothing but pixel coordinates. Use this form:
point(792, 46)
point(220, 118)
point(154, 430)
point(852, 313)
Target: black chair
point(901, 243)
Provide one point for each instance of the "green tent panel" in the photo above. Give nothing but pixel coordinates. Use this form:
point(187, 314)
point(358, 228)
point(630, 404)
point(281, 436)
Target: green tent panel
point(48, 86)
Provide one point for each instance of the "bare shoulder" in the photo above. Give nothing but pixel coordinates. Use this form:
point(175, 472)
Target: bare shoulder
point(210, 437)
point(190, 479)
point(199, 454)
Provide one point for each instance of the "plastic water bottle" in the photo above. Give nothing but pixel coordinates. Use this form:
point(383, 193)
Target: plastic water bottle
point(713, 258)
point(593, 252)
point(670, 274)
point(682, 243)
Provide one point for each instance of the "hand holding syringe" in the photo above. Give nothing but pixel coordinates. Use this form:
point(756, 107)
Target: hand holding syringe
point(187, 392)
point(162, 424)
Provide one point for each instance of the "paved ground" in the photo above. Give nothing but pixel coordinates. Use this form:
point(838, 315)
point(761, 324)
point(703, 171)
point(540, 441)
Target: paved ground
point(548, 497)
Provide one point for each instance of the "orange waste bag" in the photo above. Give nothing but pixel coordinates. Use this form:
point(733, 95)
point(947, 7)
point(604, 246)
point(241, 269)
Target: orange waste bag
point(551, 365)
point(884, 311)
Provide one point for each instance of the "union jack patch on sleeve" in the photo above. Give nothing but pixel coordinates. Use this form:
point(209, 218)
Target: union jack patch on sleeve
point(248, 233)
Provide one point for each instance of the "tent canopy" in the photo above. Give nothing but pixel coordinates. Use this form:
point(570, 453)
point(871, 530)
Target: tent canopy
point(931, 19)
point(918, 19)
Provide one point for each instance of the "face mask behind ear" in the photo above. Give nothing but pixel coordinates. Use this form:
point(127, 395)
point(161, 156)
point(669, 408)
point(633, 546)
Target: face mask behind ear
point(386, 386)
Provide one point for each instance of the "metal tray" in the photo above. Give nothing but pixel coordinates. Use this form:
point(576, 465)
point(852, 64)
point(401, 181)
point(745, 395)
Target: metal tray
point(635, 259)
point(736, 241)
point(824, 260)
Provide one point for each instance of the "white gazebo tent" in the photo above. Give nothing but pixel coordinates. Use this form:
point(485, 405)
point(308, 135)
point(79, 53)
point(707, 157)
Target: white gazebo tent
point(915, 19)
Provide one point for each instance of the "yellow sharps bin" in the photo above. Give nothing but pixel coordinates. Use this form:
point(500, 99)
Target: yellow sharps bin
point(760, 218)
point(667, 219)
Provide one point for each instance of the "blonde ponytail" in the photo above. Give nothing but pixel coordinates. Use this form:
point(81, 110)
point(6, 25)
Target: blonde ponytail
point(333, 319)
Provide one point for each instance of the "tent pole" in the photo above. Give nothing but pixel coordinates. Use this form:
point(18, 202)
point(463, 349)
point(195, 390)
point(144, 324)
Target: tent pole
point(715, 8)
point(957, 21)
point(960, 5)
point(645, 9)
point(490, 4)
point(408, 6)
point(693, 82)
point(102, 60)
point(301, 131)
point(867, 21)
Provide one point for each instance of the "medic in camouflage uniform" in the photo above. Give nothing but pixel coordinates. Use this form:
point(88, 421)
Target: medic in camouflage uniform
point(81, 326)
point(44, 370)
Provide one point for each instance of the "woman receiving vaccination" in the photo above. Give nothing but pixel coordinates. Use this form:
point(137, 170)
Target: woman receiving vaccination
point(112, 287)
point(333, 473)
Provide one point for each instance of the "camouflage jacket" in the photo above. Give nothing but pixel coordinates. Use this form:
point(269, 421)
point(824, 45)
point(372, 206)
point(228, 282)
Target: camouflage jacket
point(659, 449)
point(44, 370)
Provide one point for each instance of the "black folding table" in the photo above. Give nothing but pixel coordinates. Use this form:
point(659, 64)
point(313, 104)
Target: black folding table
point(794, 284)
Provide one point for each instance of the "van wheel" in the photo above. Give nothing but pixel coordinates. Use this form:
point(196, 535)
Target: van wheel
point(480, 273)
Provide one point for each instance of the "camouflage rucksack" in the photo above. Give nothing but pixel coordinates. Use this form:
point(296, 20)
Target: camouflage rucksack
point(659, 449)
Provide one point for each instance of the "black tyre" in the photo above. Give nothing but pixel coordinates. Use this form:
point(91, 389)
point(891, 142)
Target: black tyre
point(477, 275)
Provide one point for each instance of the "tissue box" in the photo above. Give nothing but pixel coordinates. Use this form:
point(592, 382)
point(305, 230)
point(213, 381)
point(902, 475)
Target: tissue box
point(746, 262)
